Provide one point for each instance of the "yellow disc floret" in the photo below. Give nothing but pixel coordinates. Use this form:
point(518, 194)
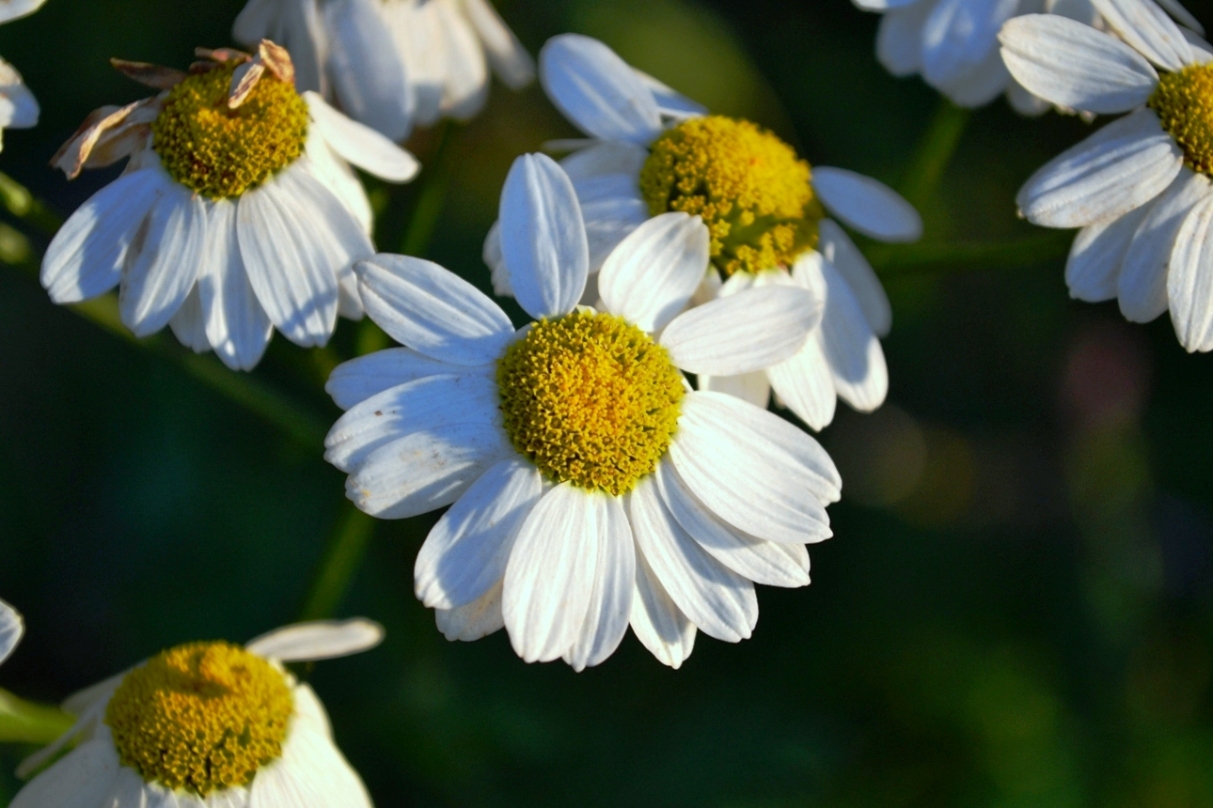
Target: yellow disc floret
point(1184, 103)
point(591, 400)
point(751, 189)
point(221, 152)
point(201, 717)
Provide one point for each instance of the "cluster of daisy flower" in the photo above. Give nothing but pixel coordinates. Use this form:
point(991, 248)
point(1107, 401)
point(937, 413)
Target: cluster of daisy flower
point(613, 461)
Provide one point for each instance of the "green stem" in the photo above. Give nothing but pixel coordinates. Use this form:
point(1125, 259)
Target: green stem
point(934, 152)
point(24, 721)
point(917, 259)
point(340, 564)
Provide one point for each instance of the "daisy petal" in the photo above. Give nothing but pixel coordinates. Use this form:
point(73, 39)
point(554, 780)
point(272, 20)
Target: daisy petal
point(609, 221)
point(606, 619)
point(365, 68)
point(189, 325)
point(837, 248)
point(474, 621)
point(1122, 166)
point(362, 145)
point(162, 269)
point(958, 36)
point(543, 238)
point(509, 59)
point(855, 357)
point(899, 38)
point(597, 90)
point(237, 327)
point(549, 579)
point(312, 773)
point(652, 274)
point(1074, 65)
point(717, 600)
point(80, 779)
point(357, 380)
point(322, 639)
point(1096, 256)
point(754, 470)
point(670, 102)
point(1148, 29)
point(433, 311)
point(465, 80)
point(15, 9)
point(805, 384)
point(1182, 15)
point(11, 629)
point(466, 552)
point(867, 205)
point(747, 331)
point(659, 625)
point(1190, 280)
point(751, 387)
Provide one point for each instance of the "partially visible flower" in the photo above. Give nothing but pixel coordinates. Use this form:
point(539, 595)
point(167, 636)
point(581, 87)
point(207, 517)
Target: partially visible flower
point(589, 488)
point(237, 213)
point(1139, 187)
point(393, 64)
point(207, 725)
point(652, 151)
point(11, 629)
point(953, 44)
point(18, 107)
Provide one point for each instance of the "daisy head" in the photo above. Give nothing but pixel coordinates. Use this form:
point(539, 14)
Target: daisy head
point(393, 64)
point(590, 488)
point(770, 216)
point(238, 211)
point(1139, 188)
point(207, 725)
point(953, 44)
point(12, 627)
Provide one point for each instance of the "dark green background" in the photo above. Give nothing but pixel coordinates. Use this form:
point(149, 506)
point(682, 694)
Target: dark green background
point(1015, 610)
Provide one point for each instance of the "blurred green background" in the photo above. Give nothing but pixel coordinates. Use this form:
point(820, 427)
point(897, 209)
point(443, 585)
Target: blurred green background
point(1016, 609)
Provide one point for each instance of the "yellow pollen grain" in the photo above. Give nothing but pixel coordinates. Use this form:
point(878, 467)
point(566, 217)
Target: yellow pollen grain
point(201, 717)
point(1184, 103)
point(591, 400)
point(751, 189)
point(221, 152)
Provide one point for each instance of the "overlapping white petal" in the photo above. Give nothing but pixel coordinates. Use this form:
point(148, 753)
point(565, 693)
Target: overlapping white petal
point(867, 205)
point(649, 278)
point(12, 626)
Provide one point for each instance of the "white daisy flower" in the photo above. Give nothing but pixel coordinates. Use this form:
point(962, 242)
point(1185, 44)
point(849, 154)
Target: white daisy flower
point(237, 213)
point(207, 725)
point(1139, 187)
point(18, 107)
point(953, 44)
point(12, 627)
point(653, 150)
point(393, 64)
point(590, 488)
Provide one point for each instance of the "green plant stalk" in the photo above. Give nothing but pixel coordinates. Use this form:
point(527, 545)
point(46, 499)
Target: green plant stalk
point(934, 152)
point(342, 558)
point(921, 259)
point(24, 721)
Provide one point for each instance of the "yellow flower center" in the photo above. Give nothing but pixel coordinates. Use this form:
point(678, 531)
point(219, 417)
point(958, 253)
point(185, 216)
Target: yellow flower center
point(591, 400)
point(751, 189)
point(201, 717)
point(221, 152)
point(1184, 103)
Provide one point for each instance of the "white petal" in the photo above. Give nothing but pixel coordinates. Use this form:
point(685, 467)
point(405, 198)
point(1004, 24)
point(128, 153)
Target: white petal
point(362, 145)
point(189, 323)
point(81, 779)
point(433, 311)
point(160, 273)
point(856, 359)
point(1074, 65)
point(335, 174)
point(236, 325)
point(312, 773)
point(959, 36)
point(1147, 28)
point(1182, 15)
point(652, 274)
point(321, 639)
point(14, 9)
point(606, 619)
point(85, 257)
point(474, 621)
point(357, 380)
point(297, 26)
point(1122, 166)
point(1093, 268)
point(717, 600)
point(1142, 286)
point(608, 158)
point(751, 387)
point(753, 469)
point(838, 249)
point(868, 205)
point(366, 69)
point(805, 384)
point(1023, 102)
point(609, 221)
point(491, 254)
point(597, 90)
point(659, 625)
point(509, 59)
point(543, 239)
point(987, 80)
point(899, 38)
point(465, 86)
point(751, 330)
point(551, 572)
point(466, 552)
point(254, 20)
point(671, 103)
point(762, 562)
point(11, 629)
point(1190, 281)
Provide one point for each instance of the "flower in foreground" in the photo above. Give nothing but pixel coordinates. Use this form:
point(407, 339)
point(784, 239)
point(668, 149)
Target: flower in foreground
point(953, 44)
point(238, 211)
point(11, 629)
point(393, 64)
point(18, 107)
point(653, 151)
point(207, 725)
point(591, 488)
point(1139, 187)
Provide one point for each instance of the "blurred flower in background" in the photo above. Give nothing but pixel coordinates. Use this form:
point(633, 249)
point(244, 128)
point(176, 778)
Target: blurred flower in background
point(11, 629)
point(18, 107)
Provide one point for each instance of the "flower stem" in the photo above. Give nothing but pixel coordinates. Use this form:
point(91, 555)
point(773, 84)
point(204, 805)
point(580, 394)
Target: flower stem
point(342, 558)
point(24, 721)
point(919, 259)
point(934, 152)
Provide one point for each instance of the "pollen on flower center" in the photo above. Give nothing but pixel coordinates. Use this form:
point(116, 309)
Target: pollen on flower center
point(201, 717)
point(221, 152)
point(1184, 103)
point(751, 189)
point(591, 400)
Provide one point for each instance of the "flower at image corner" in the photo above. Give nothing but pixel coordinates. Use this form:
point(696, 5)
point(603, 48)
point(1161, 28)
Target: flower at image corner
point(237, 213)
point(953, 44)
point(1139, 188)
point(18, 107)
point(393, 64)
point(652, 151)
point(207, 725)
point(12, 627)
point(590, 488)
